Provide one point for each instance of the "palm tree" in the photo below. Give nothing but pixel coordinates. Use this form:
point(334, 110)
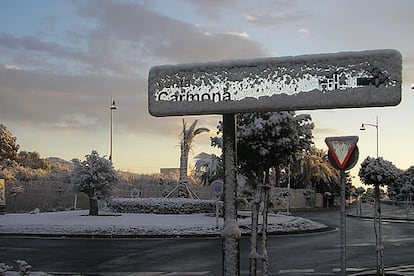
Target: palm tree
point(318, 172)
point(210, 167)
point(313, 170)
point(187, 138)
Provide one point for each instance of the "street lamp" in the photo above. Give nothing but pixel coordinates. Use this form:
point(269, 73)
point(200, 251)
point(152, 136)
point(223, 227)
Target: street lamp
point(112, 108)
point(376, 126)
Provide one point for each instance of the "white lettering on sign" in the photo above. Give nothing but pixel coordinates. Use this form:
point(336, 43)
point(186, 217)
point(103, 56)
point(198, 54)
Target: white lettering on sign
point(197, 87)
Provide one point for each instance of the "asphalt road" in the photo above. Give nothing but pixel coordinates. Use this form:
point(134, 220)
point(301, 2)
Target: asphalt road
point(302, 254)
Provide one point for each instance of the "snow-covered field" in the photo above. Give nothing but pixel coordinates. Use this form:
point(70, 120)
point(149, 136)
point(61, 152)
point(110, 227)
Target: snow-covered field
point(79, 223)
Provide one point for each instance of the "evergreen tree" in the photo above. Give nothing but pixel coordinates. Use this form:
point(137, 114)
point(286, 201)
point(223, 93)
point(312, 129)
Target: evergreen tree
point(95, 177)
point(33, 160)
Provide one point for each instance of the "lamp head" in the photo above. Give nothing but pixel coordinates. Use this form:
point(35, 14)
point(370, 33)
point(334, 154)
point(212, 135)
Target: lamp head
point(113, 106)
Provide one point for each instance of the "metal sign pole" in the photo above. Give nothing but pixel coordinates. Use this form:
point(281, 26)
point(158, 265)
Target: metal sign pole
point(343, 155)
point(343, 223)
point(231, 231)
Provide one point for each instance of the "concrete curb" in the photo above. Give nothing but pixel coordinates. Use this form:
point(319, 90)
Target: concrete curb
point(149, 236)
point(392, 219)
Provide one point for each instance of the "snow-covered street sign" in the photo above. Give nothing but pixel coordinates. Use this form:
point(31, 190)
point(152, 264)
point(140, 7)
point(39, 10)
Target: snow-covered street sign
point(341, 150)
point(322, 81)
point(217, 186)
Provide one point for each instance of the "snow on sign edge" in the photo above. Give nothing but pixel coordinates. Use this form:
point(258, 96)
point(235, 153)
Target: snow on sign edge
point(307, 82)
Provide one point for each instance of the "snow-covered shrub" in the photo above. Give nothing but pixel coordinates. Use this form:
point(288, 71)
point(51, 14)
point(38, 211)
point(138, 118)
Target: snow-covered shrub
point(24, 267)
point(162, 205)
point(4, 268)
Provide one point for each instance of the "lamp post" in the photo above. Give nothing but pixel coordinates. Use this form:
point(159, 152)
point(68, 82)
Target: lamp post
point(376, 126)
point(377, 217)
point(112, 108)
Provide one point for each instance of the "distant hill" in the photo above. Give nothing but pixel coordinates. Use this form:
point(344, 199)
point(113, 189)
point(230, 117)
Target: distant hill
point(60, 161)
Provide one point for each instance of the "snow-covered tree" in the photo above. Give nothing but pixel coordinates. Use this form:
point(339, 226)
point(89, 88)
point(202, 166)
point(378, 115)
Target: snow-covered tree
point(209, 167)
point(358, 192)
point(33, 160)
point(8, 145)
point(378, 172)
point(264, 141)
point(270, 139)
point(404, 187)
point(94, 176)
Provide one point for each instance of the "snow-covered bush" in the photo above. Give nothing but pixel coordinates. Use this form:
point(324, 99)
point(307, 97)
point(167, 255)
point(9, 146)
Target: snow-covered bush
point(24, 268)
point(162, 205)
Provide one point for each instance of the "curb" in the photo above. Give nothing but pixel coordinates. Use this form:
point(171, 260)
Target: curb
point(391, 219)
point(144, 236)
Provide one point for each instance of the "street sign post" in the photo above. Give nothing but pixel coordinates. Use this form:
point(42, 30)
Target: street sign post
point(325, 81)
point(217, 187)
point(343, 155)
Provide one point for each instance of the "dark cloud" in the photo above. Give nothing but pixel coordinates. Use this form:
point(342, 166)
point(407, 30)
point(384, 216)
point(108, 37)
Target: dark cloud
point(164, 38)
point(125, 39)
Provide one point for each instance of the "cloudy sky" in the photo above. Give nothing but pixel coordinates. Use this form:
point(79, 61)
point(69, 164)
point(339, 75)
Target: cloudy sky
point(61, 62)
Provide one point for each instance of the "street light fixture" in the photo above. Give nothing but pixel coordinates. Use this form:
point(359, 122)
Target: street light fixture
point(112, 108)
point(376, 126)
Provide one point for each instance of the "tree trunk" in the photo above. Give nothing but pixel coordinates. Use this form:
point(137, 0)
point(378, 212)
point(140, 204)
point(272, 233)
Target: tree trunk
point(93, 207)
point(182, 190)
point(265, 224)
point(15, 204)
point(254, 255)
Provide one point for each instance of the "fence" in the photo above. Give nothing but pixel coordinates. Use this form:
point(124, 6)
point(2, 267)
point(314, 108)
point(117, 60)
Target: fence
point(52, 195)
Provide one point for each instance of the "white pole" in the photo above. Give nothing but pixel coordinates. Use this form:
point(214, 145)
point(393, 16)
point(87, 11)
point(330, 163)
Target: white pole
point(288, 195)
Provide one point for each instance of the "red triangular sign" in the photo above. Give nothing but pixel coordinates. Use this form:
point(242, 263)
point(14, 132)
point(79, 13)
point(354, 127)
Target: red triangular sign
point(341, 148)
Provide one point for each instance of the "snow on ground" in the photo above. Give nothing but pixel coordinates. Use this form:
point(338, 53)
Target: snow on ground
point(79, 223)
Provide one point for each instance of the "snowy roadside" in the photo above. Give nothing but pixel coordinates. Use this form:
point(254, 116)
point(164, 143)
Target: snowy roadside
point(126, 224)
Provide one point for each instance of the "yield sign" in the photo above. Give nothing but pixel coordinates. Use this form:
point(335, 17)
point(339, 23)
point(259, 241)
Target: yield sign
point(341, 148)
